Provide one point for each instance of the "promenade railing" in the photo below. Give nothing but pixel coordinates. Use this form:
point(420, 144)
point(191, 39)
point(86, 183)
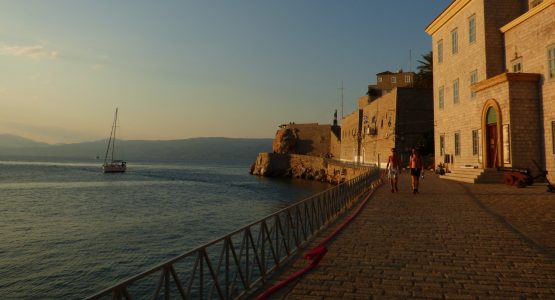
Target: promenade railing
point(233, 266)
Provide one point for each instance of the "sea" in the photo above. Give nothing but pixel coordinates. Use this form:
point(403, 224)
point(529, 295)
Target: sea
point(67, 230)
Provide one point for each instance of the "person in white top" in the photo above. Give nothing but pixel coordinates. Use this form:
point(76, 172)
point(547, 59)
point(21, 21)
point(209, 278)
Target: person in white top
point(392, 169)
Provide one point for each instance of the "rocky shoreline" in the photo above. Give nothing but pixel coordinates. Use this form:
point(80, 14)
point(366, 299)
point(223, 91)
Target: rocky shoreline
point(305, 167)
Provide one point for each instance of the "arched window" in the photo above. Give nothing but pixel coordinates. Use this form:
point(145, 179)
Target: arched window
point(491, 116)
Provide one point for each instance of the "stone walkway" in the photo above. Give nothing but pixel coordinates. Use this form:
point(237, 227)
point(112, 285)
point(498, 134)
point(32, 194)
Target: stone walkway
point(451, 241)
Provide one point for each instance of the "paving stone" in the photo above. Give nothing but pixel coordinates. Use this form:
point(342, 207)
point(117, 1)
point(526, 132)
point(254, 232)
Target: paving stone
point(451, 241)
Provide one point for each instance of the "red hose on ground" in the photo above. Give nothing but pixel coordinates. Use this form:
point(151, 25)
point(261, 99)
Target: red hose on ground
point(316, 254)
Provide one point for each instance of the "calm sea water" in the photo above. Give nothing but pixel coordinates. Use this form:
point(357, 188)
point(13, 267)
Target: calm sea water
point(67, 230)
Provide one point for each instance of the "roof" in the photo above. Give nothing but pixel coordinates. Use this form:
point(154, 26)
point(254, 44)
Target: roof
point(452, 9)
point(391, 73)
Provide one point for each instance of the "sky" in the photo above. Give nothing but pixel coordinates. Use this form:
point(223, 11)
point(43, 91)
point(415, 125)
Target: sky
point(184, 69)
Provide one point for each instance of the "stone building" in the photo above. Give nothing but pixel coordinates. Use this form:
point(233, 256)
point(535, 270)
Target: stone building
point(494, 85)
point(402, 119)
point(387, 81)
point(311, 139)
point(350, 137)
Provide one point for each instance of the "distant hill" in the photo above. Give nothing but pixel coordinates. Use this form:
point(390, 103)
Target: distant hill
point(136, 150)
point(14, 141)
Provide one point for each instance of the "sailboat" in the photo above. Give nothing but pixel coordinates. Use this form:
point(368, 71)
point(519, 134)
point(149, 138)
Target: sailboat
point(110, 165)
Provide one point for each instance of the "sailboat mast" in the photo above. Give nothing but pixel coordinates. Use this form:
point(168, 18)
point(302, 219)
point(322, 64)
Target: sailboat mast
point(112, 134)
point(114, 139)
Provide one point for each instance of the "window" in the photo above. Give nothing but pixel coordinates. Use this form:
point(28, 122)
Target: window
point(479, 148)
point(379, 79)
point(551, 62)
point(456, 91)
point(473, 80)
point(393, 79)
point(441, 145)
point(472, 29)
point(457, 143)
point(454, 42)
point(475, 142)
point(440, 51)
point(506, 144)
point(441, 96)
point(517, 65)
point(407, 78)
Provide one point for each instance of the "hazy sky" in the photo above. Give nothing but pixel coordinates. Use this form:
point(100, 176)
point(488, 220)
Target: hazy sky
point(181, 69)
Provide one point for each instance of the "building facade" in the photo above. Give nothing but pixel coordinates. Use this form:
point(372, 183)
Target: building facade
point(493, 86)
point(401, 119)
point(350, 137)
point(387, 81)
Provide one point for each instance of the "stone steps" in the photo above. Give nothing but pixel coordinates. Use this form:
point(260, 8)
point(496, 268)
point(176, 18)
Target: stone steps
point(490, 176)
point(474, 175)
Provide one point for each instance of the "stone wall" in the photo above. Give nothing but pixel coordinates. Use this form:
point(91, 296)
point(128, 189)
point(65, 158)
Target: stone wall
point(350, 137)
point(525, 126)
point(515, 98)
point(305, 167)
point(458, 117)
point(378, 129)
point(310, 139)
point(415, 119)
point(485, 56)
point(335, 142)
point(498, 14)
point(529, 41)
point(400, 119)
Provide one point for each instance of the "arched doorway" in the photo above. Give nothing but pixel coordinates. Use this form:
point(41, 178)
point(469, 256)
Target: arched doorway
point(491, 127)
point(492, 138)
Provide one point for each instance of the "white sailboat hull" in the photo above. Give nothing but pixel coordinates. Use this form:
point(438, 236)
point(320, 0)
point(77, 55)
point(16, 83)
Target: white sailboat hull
point(114, 168)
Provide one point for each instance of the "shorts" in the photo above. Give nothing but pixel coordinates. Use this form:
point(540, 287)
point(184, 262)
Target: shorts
point(414, 172)
point(392, 173)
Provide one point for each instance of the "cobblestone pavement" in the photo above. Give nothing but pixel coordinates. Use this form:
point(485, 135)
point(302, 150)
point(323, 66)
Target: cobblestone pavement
point(451, 241)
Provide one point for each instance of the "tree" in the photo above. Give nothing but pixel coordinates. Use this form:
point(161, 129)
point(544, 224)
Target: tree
point(425, 76)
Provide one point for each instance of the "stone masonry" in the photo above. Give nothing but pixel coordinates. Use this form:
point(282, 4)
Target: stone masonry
point(527, 40)
point(471, 78)
point(350, 137)
point(311, 139)
point(399, 119)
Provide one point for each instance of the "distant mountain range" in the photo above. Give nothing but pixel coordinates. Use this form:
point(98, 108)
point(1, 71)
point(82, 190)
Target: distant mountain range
point(136, 150)
point(14, 141)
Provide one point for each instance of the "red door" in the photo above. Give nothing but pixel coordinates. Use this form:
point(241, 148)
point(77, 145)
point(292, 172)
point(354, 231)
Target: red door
point(493, 161)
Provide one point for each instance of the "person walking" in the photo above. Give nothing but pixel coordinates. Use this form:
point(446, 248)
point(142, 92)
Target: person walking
point(416, 169)
point(392, 169)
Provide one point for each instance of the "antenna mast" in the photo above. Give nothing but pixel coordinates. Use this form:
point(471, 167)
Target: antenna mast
point(410, 60)
point(341, 88)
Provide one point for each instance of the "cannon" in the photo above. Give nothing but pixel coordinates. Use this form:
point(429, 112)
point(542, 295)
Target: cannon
point(519, 177)
point(522, 177)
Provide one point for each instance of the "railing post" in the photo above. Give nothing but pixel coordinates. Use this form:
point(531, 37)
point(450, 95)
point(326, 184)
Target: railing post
point(227, 246)
point(167, 283)
point(201, 273)
point(263, 249)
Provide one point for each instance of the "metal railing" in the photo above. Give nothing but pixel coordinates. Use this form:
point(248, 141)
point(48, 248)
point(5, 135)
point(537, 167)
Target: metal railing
point(352, 164)
point(232, 266)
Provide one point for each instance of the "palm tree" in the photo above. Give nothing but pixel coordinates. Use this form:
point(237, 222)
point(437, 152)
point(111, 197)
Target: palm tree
point(425, 76)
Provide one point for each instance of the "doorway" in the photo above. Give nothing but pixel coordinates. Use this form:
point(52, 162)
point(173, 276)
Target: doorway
point(492, 138)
